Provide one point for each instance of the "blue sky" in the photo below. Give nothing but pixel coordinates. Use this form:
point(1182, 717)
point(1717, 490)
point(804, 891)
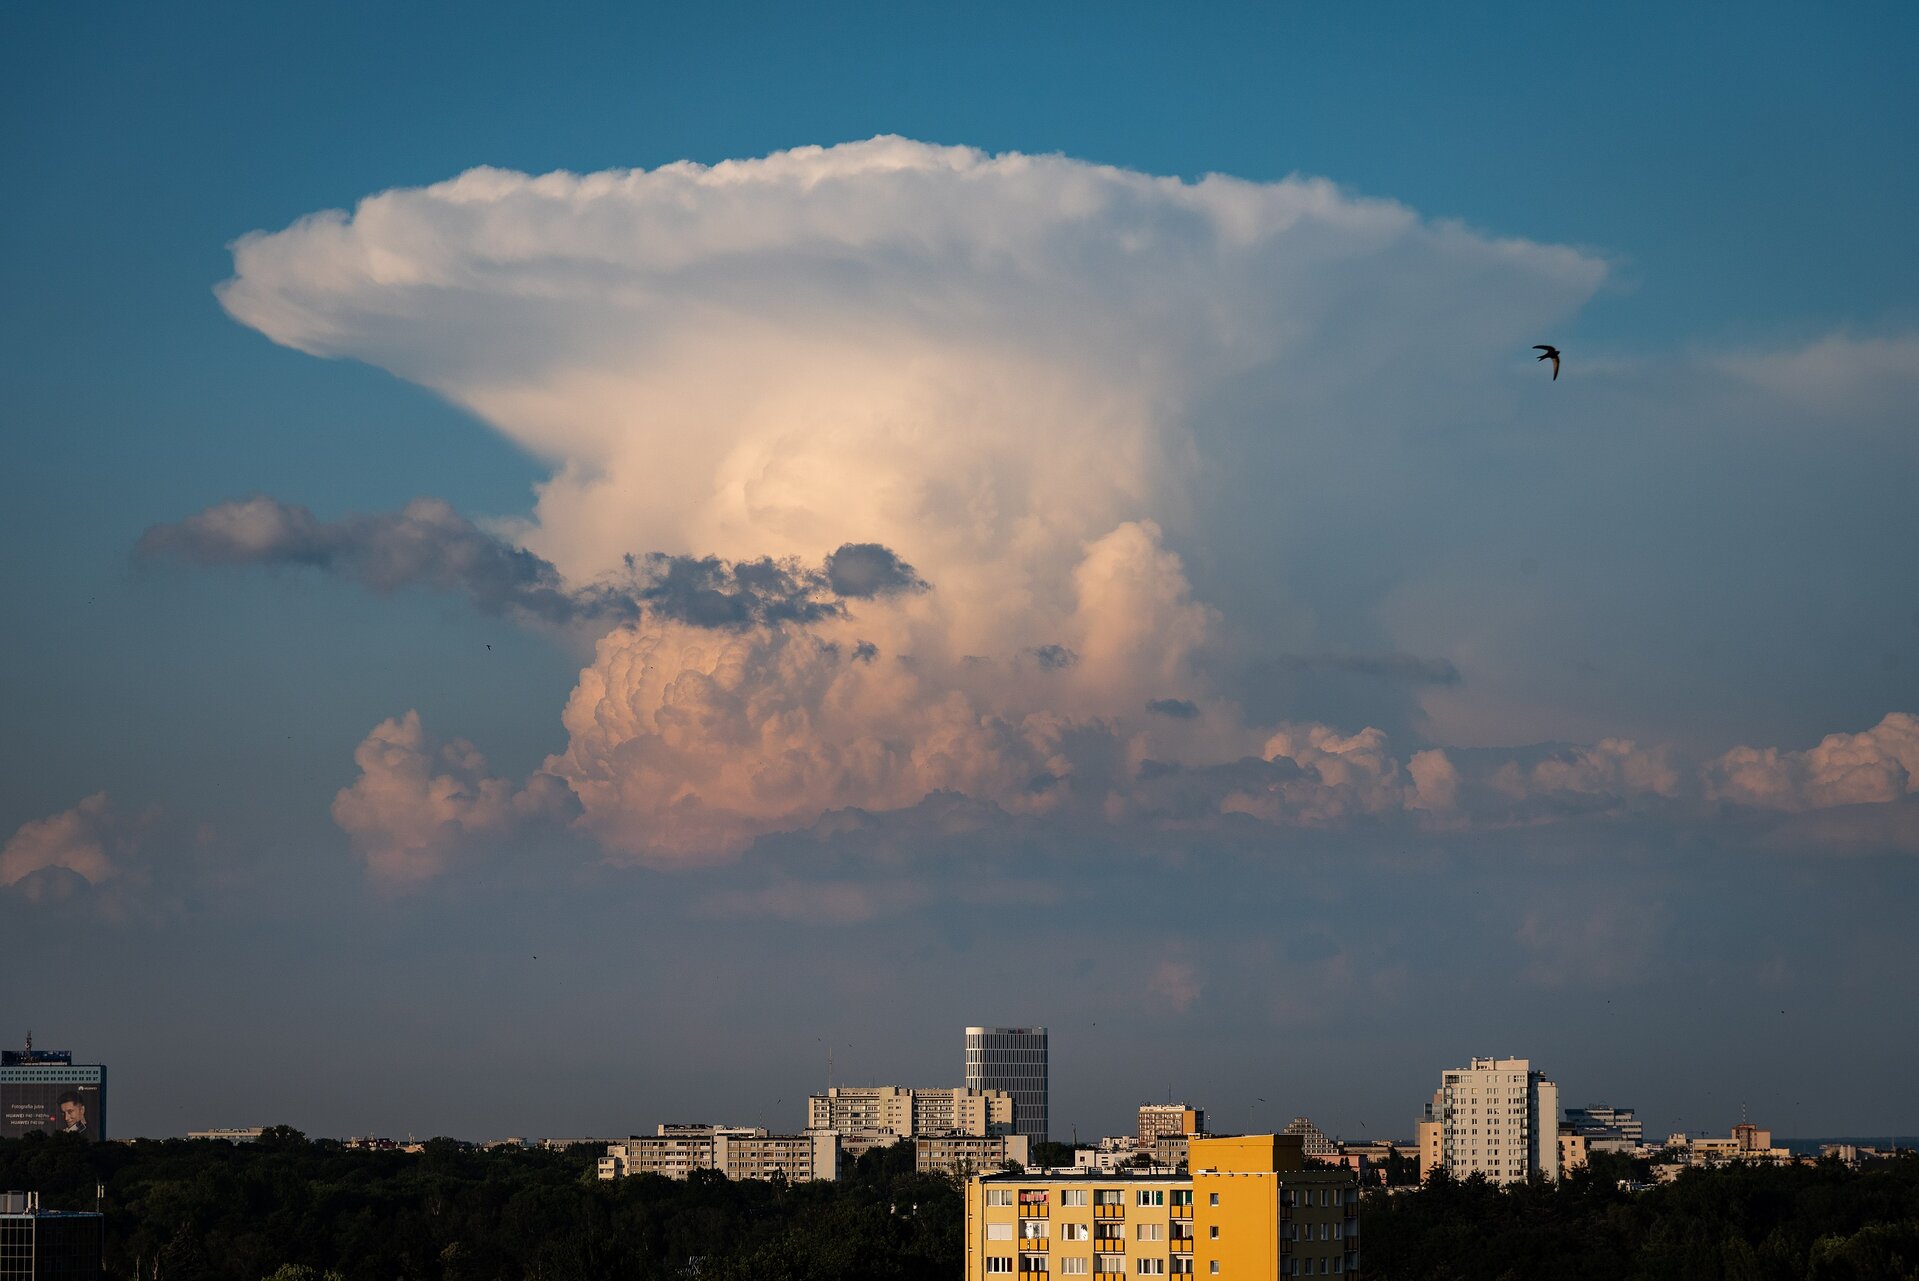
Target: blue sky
point(1698, 540)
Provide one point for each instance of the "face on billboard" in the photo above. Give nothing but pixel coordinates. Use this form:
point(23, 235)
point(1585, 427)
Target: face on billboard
point(49, 1107)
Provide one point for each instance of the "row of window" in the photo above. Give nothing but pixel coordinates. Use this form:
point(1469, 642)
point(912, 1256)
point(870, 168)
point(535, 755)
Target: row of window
point(1000, 1265)
point(1080, 1197)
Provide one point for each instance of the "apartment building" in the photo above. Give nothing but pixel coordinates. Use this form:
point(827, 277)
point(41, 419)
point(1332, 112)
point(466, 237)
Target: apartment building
point(1156, 1119)
point(964, 1155)
point(902, 1112)
point(739, 1152)
point(1317, 1144)
point(1497, 1118)
point(1248, 1209)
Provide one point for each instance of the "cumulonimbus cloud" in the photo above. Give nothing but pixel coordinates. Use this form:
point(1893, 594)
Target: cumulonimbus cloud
point(815, 383)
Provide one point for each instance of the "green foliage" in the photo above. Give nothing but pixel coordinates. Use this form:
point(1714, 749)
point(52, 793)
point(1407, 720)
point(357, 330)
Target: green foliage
point(1740, 1223)
point(1048, 1155)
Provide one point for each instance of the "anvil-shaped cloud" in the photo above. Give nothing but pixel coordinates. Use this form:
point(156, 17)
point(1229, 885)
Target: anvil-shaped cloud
point(1010, 377)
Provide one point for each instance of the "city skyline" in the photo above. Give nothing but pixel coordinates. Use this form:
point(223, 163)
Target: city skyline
point(652, 552)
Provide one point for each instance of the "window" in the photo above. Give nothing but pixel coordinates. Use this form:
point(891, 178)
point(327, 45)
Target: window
point(1032, 1229)
point(1150, 1232)
point(1214, 1267)
point(1072, 1267)
point(1183, 1265)
point(1111, 1230)
point(1032, 1263)
point(1073, 1196)
point(999, 1196)
point(1183, 1196)
point(999, 1232)
point(1107, 1196)
point(1150, 1196)
point(1149, 1267)
point(999, 1263)
point(1212, 1233)
point(1074, 1231)
point(1338, 1267)
point(1212, 1198)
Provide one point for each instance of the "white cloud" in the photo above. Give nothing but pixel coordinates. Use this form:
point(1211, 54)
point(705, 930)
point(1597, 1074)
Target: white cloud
point(1872, 768)
point(79, 840)
point(414, 808)
point(1054, 388)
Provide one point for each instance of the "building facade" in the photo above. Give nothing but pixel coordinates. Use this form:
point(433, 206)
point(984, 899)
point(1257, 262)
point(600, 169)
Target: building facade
point(1608, 1129)
point(964, 1155)
point(46, 1091)
point(1248, 1209)
point(739, 1152)
point(1156, 1119)
point(1012, 1059)
point(47, 1245)
point(1318, 1146)
point(1497, 1118)
point(900, 1112)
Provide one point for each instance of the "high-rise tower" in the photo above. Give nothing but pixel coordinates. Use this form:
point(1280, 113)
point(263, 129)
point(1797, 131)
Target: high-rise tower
point(1011, 1059)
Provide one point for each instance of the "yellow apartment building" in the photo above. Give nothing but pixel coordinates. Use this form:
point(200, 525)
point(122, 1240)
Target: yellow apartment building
point(1249, 1208)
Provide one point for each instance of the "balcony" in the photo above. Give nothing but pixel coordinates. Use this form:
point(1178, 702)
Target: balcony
point(1036, 1244)
point(1109, 1212)
point(1028, 1210)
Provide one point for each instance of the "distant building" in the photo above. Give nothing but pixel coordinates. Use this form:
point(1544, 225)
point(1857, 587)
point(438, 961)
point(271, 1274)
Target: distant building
point(1497, 1118)
point(46, 1091)
point(1156, 1119)
point(739, 1152)
point(1746, 1143)
point(1607, 1128)
point(1012, 1059)
point(868, 1115)
point(1169, 1150)
point(1248, 1207)
point(47, 1245)
point(1573, 1148)
point(1318, 1146)
point(964, 1155)
point(249, 1135)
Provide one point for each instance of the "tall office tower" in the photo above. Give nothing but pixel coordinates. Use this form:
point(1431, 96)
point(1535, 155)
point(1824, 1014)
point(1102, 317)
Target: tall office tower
point(1498, 1118)
point(1011, 1059)
point(46, 1090)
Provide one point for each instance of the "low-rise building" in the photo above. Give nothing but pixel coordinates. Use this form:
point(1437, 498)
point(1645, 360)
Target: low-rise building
point(1573, 1148)
point(1746, 1143)
point(248, 1134)
point(1248, 1207)
point(964, 1155)
point(739, 1152)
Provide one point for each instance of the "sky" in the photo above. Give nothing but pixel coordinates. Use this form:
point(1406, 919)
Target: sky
point(574, 568)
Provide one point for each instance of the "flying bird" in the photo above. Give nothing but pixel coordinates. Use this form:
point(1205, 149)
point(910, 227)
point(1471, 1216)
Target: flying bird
point(1552, 354)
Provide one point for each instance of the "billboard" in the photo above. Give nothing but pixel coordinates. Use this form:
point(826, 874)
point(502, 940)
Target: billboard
point(52, 1107)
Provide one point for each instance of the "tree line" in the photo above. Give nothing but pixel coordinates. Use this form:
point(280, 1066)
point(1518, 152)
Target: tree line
point(290, 1209)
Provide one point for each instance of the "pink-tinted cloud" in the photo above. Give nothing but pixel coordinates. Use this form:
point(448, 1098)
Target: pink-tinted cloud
point(1878, 766)
point(414, 808)
point(79, 839)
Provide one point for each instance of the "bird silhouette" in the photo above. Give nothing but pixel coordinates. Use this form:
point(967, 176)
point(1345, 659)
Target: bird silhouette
point(1552, 354)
